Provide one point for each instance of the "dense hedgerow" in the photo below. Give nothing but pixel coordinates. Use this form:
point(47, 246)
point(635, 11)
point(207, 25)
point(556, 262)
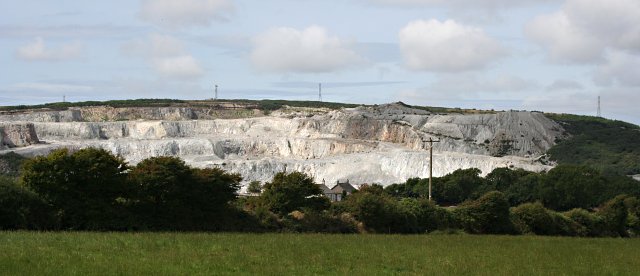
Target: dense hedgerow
point(91, 189)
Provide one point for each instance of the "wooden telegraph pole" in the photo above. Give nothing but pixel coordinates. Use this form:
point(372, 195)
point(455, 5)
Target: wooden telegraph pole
point(430, 141)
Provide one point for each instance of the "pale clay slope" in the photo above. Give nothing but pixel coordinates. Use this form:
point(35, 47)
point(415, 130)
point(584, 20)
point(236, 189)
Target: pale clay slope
point(365, 145)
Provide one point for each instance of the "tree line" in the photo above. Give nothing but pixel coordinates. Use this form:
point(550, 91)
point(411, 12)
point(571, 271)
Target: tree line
point(91, 189)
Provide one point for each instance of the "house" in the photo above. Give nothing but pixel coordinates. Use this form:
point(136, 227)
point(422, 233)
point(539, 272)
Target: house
point(328, 192)
point(341, 189)
point(333, 196)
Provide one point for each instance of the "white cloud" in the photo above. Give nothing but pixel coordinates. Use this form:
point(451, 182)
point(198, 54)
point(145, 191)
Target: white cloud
point(184, 66)
point(464, 85)
point(563, 84)
point(311, 50)
point(50, 87)
point(447, 46)
point(184, 13)
point(563, 41)
point(621, 69)
point(83, 31)
point(576, 102)
point(582, 30)
point(486, 4)
point(472, 90)
point(166, 55)
point(38, 51)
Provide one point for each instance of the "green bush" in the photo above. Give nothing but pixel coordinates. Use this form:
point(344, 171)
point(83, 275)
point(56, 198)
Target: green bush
point(320, 222)
point(533, 218)
point(525, 189)
point(500, 179)
point(614, 214)
point(457, 186)
point(592, 224)
point(487, 215)
point(567, 186)
point(288, 192)
point(374, 208)
point(23, 209)
point(10, 163)
point(633, 220)
point(566, 226)
point(171, 195)
point(86, 188)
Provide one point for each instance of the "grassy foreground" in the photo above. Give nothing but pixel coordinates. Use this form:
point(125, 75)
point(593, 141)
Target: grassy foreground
point(33, 253)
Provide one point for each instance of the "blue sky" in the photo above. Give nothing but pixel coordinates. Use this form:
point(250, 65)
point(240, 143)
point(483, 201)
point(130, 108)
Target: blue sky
point(548, 55)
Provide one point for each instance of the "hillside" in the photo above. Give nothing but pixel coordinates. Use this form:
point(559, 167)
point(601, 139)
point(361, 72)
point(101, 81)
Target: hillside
point(221, 103)
point(366, 144)
point(378, 143)
point(610, 146)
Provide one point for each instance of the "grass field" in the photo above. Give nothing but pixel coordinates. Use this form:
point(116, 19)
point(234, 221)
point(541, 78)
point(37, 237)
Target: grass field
point(33, 253)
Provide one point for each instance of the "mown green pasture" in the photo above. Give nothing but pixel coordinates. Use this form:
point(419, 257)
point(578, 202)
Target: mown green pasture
point(64, 253)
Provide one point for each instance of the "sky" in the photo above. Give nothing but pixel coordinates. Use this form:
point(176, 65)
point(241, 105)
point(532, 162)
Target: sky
point(544, 55)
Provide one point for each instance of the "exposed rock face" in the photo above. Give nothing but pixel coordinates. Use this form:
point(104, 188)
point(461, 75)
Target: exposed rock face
point(382, 144)
point(17, 135)
point(106, 113)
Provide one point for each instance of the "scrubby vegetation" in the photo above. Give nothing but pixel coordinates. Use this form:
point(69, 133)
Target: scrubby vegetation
point(266, 105)
point(561, 188)
point(112, 103)
point(277, 104)
point(445, 110)
point(612, 147)
point(91, 189)
point(10, 164)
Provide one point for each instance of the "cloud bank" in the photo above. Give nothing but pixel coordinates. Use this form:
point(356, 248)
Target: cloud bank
point(38, 51)
point(582, 31)
point(184, 13)
point(447, 46)
point(166, 55)
point(311, 50)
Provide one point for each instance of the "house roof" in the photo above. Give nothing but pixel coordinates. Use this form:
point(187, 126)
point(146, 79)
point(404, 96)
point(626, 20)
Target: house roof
point(344, 186)
point(325, 189)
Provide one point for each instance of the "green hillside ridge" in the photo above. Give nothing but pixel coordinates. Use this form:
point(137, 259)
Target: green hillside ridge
point(610, 146)
point(268, 105)
point(259, 104)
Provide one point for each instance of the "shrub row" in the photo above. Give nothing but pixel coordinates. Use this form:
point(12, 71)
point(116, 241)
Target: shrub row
point(562, 188)
point(91, 189)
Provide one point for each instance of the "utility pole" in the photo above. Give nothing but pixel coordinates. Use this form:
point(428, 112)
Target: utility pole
point(430, 141)
point(319, 91)
point(599, 113)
